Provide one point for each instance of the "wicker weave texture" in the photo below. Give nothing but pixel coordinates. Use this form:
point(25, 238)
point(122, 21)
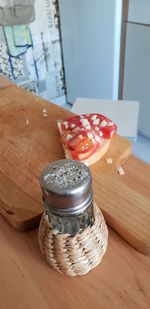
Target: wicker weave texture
point(74, 255)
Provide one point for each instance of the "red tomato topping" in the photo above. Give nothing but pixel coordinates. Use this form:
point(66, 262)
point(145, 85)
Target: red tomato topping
point(84, 134)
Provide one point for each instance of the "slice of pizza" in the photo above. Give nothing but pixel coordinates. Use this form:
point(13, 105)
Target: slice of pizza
point(86, 137)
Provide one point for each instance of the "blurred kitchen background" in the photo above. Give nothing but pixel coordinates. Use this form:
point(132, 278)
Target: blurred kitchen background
point(84, 48)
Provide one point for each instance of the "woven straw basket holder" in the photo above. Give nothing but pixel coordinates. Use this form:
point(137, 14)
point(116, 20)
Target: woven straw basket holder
point(74, 255)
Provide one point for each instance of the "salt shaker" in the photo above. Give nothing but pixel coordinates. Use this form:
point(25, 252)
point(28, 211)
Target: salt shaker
point(72, 233)
point(68, 196)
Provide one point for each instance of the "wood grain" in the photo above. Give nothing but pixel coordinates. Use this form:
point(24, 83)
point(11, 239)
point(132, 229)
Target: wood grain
point(121, 281)
point(26, 281)
point(128, 213)
point(26, 149)
point(4, 83)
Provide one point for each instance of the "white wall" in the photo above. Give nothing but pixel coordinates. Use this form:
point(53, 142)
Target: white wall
point(137, 61)
point(139, 11)
point(117, 46)
point(91, 47)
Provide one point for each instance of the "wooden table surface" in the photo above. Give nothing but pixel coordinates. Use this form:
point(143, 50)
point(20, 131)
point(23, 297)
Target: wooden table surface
point(122, 280)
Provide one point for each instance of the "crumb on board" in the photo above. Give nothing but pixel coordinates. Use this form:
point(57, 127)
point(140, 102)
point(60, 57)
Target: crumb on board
point(44, 111)
point(109, 160)
point(27, 121)
point(120, 170)
point(44, 115)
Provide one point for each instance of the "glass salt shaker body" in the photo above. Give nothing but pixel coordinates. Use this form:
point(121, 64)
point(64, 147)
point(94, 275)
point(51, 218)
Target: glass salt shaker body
point(68, 196)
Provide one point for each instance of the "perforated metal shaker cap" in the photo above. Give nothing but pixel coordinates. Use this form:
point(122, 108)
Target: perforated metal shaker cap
point(67, 186)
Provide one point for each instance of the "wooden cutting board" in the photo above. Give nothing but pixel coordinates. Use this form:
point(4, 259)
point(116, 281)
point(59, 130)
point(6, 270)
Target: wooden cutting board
point(29, 141)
